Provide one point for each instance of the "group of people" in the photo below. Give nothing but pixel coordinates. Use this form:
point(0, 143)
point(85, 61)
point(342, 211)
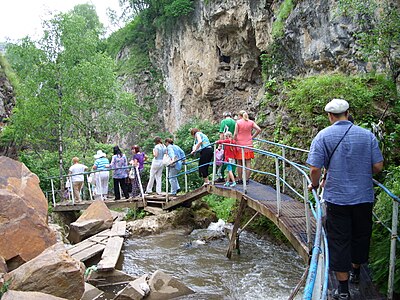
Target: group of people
point(236, 138)
point(349, 154)
point(126, 179)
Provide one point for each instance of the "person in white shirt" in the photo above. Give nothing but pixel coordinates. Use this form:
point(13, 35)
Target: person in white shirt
point(77, 180)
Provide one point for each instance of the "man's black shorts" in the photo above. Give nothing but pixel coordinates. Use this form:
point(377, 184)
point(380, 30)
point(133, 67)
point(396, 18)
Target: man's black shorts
point(349, 230)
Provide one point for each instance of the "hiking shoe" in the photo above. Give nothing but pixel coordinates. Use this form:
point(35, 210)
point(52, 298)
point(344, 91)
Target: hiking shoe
point(340, 296)
point(240, 181)
point(226, 183)
point(220, 180)
point(233, 184)
point(354, 278)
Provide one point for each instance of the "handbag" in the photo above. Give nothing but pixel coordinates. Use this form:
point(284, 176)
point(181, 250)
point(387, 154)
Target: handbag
point(132, 174)
point(166, 160)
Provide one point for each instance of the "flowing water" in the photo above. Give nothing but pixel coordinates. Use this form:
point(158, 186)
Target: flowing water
point(263, 270)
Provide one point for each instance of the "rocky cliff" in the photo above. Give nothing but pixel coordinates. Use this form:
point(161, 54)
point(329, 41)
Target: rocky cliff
point(211, 60)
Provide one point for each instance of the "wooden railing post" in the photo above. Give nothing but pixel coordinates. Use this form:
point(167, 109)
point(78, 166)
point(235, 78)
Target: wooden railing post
point(233, 240)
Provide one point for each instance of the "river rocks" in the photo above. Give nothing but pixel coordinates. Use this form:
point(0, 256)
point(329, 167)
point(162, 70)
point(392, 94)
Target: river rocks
point(91, 292)
point(135, 290)
point(155, 287)
point(53, 272)
point(164, 286)
point(18, 295)
point(24, 232)
point(97, 217)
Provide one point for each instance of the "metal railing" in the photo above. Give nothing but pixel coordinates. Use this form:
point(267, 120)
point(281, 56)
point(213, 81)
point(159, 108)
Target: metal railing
point(317, 279)
point(87, 180)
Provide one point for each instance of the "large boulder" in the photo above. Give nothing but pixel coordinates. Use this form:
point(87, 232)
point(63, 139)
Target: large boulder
point(53, 272)
point(164, 286)
point(97, 217)
point(24, 232)
point(18, 295)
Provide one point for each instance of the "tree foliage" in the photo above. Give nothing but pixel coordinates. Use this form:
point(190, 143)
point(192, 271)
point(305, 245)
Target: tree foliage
point(68, 88)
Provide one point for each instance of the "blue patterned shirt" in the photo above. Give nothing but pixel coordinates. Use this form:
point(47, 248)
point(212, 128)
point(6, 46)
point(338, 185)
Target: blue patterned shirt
point(349, 177)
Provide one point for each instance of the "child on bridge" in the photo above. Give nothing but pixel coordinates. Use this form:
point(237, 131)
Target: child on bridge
point(229, 153)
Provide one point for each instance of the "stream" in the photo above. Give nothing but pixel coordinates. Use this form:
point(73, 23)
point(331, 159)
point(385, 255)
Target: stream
point(263, 270)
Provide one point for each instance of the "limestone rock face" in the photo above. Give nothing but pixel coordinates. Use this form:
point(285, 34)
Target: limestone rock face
point(97, 217)
point(18, 295)
point(53, 272)
point(211, 60)
point(24, 232)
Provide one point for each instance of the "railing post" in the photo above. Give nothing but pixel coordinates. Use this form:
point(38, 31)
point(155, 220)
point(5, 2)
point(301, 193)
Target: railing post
point(244, 172)
point(307, 212)
point(72, 189)
point(166, 183)
point(186, 179)
point(392, 262)
point(89, 187)
point(52, 192)
point(283, 168)
point(140, 186)
point(214, 166)
point(278, 186)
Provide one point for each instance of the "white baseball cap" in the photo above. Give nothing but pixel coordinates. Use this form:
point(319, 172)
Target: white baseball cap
point(337, 106)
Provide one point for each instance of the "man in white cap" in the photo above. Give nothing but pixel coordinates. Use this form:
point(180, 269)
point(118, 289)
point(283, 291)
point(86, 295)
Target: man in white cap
point(351, 155)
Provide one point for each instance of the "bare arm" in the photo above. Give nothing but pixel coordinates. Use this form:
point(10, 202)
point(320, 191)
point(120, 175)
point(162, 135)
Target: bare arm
point(235, 133)
point(257, 128)
point(197, 146)
point(315, 175)
point(376, 168)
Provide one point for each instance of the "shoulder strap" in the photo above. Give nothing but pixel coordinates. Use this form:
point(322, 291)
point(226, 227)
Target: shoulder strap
point(330, 156)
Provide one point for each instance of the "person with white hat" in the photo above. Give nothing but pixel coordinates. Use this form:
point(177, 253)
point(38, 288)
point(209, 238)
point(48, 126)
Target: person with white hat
point(351, 156)
point(101, 164)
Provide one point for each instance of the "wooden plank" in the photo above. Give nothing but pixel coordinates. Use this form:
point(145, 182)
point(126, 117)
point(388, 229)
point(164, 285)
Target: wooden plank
point(118, 229)
point(111, 254)
point(89, 252)
point(99, 238)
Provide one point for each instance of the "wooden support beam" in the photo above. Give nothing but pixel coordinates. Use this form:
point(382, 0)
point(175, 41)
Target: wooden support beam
point(232, 243)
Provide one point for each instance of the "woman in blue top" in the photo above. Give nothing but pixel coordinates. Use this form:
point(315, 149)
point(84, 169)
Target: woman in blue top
point(101, 163)
point(120, 175)
point(202, 144)
point(156, 166)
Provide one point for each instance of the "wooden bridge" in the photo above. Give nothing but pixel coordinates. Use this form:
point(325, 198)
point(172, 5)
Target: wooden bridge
point(262, 198)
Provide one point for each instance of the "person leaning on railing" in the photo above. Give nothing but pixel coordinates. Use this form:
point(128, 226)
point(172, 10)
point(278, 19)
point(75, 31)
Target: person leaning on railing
point(351, 155)
point(202, 144)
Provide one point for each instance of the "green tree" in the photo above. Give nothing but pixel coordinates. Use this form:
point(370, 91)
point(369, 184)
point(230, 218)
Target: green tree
point(69, 91)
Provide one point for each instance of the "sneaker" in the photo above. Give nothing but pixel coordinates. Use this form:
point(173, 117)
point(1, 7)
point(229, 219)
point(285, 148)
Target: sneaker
point(340, 296)
point(220, 180)
point(240, 181)
point(233, 184)
point(227, 183)
point(354, 278)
